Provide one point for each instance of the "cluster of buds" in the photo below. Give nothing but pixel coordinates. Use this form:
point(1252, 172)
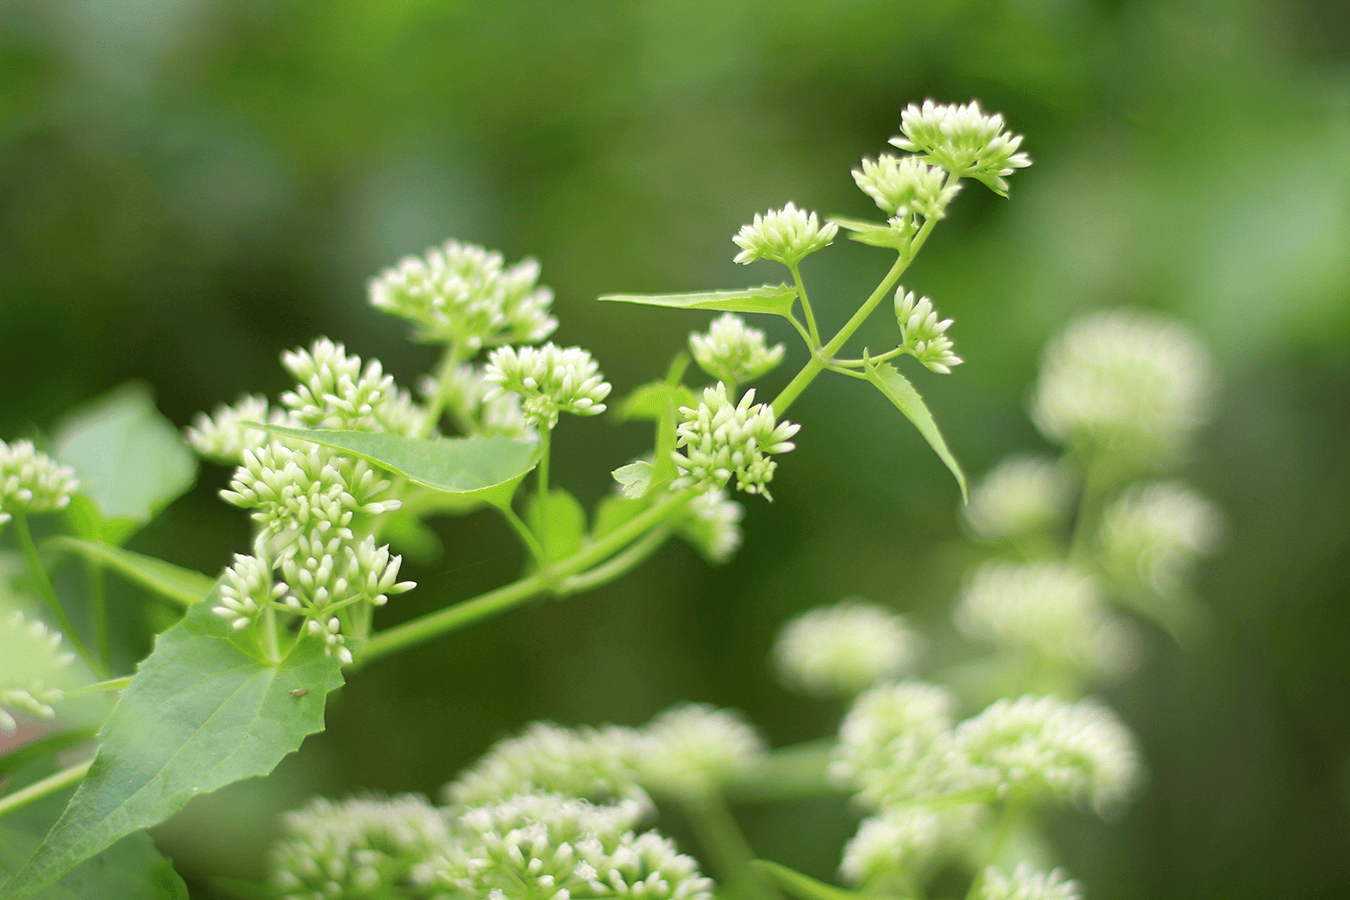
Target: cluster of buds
point(844, 649)
point(721, 438)
point(783, 235)
point(463, 295)
point(1022, 494)
point(733, 352)
point(964, 140)
point(549, 380)
point(922, 334)
point(903, 187)
point(30, 680)
point(31, 481)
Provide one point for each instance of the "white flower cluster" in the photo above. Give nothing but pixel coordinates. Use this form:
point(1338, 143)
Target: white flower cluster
point(922, 334)
point(1026, 883)
point(462, 295)
point(549, 380)
point(477, 407)
point(1131, 382)
point(33, 666)
point(783, 235)
point(1154, 533)
point(844, 649)
point(733, 352)
point(690, 749)
point(721, 439)
point(1049, 610)
point(310, 558)
point(361, 847)
point(550, 846)
point(964, 140)
point(893, 850)
point(713, 525)
point(33, 482)
point(906, 186)
point(1020, 495)
point(592, 763)
point(897, 746)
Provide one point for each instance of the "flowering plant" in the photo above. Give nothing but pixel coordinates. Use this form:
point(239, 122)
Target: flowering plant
point(342, 471)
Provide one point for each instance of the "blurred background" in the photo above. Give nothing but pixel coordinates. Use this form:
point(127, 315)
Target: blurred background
point(187, 187)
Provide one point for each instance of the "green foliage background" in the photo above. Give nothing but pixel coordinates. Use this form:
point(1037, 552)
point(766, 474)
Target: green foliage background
point(189, 186)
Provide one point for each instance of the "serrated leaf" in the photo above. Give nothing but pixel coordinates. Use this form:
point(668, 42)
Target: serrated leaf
point(561, 524)
point(900, 392)
point(775, 299)
point(131, 462)
point(649, 402)
point(164, 578)
point(874, 234)
point(131, 869)
point(200, 713)
point(635, 478)
point(802, 886)
point(476, 468)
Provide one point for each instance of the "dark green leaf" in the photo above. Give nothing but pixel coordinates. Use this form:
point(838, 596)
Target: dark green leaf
point(770, 298)
point(635, 478)
point(131, 869)
point(900, 392)
point(477, 468)
point(200, 713)
point(174, 582)
point(802, 886)
point(131, 462)
point(561, 525)
point(613, 512)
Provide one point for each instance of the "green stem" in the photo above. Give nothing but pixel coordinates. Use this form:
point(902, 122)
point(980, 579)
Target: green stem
point(113, 684)
point(619, 564)
point(721, 838)
point(48, 593)
point(98, 599)
point(1010, 810)
point(806, 306)
point(859, 363)
point(526, 535)
point(453, 618)
point(39, 789)
point(787, 773)
point(450, 361)
point(820, 360)
point(268, 637)
point(541, 492)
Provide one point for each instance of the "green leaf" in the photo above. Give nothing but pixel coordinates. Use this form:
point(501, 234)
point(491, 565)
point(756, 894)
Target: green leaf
point(131, 462)
point(561, 525)
point(164, 578)
point(874, 234)
point(899, 391)
point(802, 886)
point(635, 478)
point(477, 468)
point(770, 298)
point(131, 869)
point(613, 512)
point(649, 402)
point(200, 713)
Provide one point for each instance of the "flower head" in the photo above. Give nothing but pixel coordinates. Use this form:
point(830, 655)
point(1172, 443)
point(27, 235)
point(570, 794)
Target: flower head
point(964, 140)
point(906, 186)
point(1131, 382)
point(1154, 533)
point(335, 391)
point(897, 847)
point(733, 352)
point(844, 649)
point(783, 235)
point(691, 748)
point(714, 525)
point(462, 294)
point(896, 744)
point(721, 439)
point(33, 675)
point(1026, 883)
point(33, 482)
point(549, 380)
point(223, 436)
point(922, 334)
point(1019, 495)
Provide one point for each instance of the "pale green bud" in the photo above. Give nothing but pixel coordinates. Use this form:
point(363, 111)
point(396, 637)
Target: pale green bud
point(922, 334)
point(223, 436)
point(1153, 534)
point(906, 186)
point(477, 407)
point(1076, 752)
point(692, 748)
point(896, 849)
point(549, 380)
point(1028, 884)
point(721, 439)
point(34, 670)
point(1134, 383)
point(963, 140)
point(336, 392)
point(714, 525)
point(844, 648)
point(896, 744)
point(33, 482)
point(733, 352)
point(246, 590)
point(783, 235)
point(462, 294)
point(1020, 495)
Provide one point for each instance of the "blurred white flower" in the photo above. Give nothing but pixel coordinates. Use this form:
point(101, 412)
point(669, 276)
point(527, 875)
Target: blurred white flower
point(844, 648)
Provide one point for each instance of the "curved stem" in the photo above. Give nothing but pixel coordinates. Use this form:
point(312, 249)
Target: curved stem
point(806, 306)
point(452, 618)
point(525, 534)
point(450, 361)
point(39, 789)
point(48, 593)
point(859, 363)
point(722, 840)
point(617, 565)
